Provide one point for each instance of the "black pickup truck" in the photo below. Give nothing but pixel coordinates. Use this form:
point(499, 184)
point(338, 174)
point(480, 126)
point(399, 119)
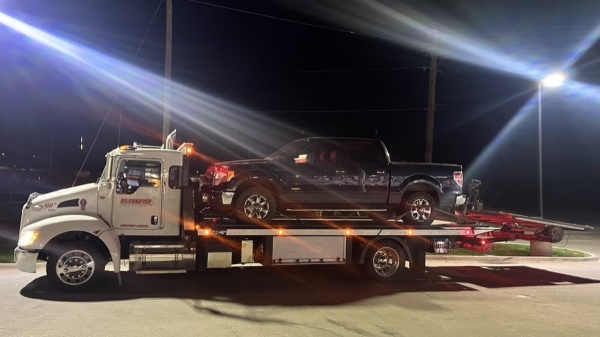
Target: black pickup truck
point(337, 175)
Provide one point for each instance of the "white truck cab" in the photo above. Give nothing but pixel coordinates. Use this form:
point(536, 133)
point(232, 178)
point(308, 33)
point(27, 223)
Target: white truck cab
point(134, 209)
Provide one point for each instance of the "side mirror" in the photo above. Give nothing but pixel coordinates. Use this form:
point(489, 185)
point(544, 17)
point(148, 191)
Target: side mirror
point(175, 177)
point(179, 176)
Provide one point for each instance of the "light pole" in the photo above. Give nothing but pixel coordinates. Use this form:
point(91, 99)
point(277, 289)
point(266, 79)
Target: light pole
point(554, 80)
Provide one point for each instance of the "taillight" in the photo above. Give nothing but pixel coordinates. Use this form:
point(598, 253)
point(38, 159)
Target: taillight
point(458, 177)
point(219, 174)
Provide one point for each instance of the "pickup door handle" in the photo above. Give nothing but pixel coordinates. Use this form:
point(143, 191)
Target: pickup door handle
point(380, 171)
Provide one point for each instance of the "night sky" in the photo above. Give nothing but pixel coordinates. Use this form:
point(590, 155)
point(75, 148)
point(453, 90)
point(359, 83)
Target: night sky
point(254, 75)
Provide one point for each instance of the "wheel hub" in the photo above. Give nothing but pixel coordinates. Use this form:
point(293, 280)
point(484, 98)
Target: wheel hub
point(386, 261)
point(420, 209)
point(75, 267)
point(256, 206)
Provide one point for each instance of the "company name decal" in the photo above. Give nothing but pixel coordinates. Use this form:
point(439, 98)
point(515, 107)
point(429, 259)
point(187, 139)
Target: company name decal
point(136, 202)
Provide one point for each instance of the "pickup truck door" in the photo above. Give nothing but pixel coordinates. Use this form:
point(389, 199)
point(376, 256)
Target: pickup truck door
point(317, 178)
point(370, 168)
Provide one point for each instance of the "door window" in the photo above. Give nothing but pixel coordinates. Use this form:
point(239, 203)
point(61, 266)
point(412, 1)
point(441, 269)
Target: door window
point(365, 153)
point(135, 174)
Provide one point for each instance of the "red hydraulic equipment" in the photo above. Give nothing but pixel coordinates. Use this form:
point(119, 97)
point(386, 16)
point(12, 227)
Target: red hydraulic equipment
point(510, 226)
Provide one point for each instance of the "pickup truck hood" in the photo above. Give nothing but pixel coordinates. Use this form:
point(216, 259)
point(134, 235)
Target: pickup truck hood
point(244, 162)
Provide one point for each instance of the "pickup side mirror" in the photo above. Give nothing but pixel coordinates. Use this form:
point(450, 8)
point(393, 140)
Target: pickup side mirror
point(303, 159)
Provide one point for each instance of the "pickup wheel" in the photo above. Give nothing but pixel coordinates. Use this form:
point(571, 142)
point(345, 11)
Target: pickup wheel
point(256, 205)
point(75, 266)
point(419, 209)
point(385, 261)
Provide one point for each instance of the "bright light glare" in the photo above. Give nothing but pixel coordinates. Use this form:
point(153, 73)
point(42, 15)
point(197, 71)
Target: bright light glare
point(224, 123)
point(427, 27)
point(529, 51)
point(554, 80)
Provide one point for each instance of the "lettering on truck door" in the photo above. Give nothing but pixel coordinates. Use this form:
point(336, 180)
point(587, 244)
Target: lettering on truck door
point(137, 202)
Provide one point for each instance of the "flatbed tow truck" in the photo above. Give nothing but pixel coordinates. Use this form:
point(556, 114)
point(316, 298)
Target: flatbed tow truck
point(142, 211)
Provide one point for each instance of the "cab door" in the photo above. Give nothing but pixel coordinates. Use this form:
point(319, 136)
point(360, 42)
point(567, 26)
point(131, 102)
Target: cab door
point(137, 200)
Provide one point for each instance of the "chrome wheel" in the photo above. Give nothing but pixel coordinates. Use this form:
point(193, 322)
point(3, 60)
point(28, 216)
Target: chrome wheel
point(75, 267)
point(256, 206)
point(420, 209)
point(386, 262)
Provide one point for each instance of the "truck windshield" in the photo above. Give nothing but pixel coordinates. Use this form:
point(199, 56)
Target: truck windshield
point(290, 150)
point(104, 177)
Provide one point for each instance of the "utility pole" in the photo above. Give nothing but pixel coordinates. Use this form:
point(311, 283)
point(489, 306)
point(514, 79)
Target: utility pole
point(431, 101)
point(168, 61)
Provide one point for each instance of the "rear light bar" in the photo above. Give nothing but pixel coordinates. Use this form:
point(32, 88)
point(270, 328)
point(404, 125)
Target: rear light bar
point(458, 177)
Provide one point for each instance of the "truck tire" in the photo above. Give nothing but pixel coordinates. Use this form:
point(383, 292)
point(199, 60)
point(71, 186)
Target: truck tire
point(419, 209)
point(255, 205)
point(385, 261)
point(75, 266)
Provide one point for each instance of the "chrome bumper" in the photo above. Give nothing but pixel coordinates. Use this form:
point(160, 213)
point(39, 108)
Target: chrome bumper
point(25, 260)
point(219, 197)
point(460, 200)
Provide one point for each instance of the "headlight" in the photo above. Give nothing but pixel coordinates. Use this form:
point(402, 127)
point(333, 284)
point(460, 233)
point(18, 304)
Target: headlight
point(28, 238)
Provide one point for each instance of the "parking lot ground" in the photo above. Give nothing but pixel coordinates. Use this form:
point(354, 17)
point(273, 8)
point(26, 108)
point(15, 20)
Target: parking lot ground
point(453, 298)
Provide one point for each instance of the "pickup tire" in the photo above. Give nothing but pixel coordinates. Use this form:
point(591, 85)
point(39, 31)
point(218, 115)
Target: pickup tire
point(419, 209)
point(75, 266)
point(255, 205)
point(385, 261)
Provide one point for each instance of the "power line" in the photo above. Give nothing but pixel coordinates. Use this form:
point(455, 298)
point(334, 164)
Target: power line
point(281, 19)
point(308, 71)
point(116, 96)
point(337, 110)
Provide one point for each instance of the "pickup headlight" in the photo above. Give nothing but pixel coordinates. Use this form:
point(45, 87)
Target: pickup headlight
point(218, 174)
point(28, 238)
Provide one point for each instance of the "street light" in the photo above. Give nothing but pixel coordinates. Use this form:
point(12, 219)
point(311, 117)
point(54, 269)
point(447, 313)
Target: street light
point(554, 80)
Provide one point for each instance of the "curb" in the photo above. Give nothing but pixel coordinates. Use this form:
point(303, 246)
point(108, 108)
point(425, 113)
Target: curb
point(509, 259)
point(8, 265)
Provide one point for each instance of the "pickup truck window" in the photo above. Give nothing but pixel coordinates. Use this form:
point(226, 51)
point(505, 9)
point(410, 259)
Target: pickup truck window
point(290, 150)
point(365, 153)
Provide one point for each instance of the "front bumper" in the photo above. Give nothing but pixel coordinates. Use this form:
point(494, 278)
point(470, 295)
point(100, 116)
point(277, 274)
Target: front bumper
point(26, 260)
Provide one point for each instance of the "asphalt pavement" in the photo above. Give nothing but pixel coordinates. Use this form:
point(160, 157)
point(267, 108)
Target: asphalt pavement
point(455, 297)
